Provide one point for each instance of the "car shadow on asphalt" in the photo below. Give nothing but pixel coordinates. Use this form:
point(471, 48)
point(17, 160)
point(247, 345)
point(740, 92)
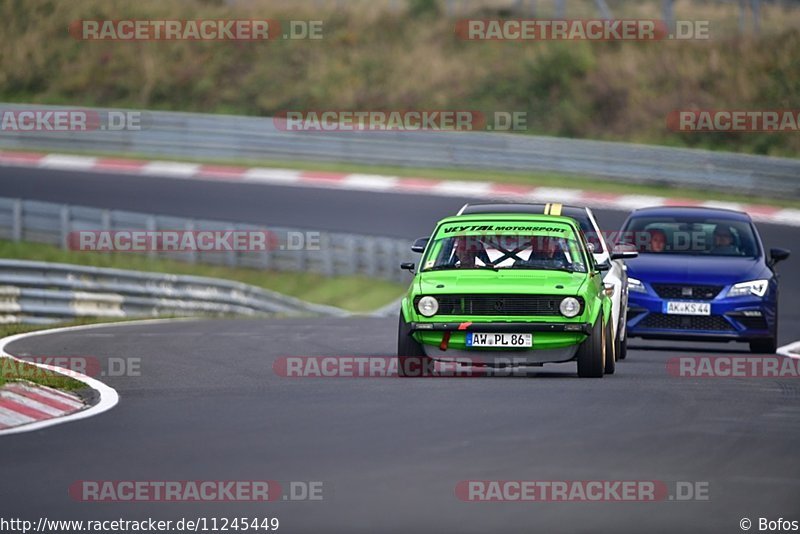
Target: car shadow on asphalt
point(721, 349)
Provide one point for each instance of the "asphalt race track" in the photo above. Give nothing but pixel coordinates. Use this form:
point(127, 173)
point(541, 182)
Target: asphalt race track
point(390, 452)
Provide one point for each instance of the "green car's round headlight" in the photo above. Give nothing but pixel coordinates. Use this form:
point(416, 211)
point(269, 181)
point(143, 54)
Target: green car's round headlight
point(428, 306)
point(570, 307)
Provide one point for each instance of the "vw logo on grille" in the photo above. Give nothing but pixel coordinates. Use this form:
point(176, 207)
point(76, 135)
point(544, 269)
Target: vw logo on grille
point(686, 291)
point(498, 305)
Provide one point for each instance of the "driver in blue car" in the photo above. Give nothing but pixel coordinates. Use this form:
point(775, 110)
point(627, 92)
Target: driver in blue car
point(724, 242)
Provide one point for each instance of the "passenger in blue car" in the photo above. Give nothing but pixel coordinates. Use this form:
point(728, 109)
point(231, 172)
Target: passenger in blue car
point(658, 241)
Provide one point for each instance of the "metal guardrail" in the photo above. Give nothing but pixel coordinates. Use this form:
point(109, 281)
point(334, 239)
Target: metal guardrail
point(194, 135)
point(337, 253)
point(42, 293)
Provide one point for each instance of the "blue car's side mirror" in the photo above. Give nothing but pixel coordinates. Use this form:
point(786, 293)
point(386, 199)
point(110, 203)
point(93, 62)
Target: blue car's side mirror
point(777, 254)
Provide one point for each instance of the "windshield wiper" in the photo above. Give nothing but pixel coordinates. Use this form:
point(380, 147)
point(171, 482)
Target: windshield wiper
point(546, 268)
point(448, 267)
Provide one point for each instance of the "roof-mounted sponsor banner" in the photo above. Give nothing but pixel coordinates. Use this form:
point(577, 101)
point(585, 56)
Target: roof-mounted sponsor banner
point(543, 229)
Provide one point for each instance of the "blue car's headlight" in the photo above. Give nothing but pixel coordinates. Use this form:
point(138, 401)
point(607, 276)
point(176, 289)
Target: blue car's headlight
point(753, 287)
point(636, 286)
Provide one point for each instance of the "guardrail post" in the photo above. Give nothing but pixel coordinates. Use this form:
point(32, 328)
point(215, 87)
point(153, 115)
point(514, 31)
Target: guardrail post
point(151, 226)
point(231, 255)
point(16, 221)
point(192, 255)
point(105, 220)
point(352, 261)
point(326, 251)
point(369, 249)
point(63, 213)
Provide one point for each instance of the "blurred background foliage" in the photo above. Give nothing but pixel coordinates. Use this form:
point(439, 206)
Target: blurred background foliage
point(392, 54)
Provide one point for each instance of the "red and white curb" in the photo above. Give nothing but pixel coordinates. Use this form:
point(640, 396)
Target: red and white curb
point(382, 184)
point(22, 403)
point(792, 350)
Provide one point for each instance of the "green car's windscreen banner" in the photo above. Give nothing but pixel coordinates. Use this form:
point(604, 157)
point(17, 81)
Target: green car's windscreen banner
point(505, 244)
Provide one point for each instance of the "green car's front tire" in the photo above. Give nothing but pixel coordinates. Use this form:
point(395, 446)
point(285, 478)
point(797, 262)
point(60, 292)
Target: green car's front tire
point(409, 349)
point(591, 353)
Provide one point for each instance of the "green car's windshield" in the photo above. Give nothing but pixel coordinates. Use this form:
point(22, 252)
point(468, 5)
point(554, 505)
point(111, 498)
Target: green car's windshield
point(537, 251)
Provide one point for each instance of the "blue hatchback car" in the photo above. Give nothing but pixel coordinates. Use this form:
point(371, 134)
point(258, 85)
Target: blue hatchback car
point(701, 274)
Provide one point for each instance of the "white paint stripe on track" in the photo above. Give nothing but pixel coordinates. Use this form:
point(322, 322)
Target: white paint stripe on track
point(638, 201)
point(724, 205)
point(108, 395)
point(261, 174)
point(170, 168)
point(556, 194)
point(792, 350)
point(63, 161)
point(463, 189)
point(370, 182)
point(787, 216)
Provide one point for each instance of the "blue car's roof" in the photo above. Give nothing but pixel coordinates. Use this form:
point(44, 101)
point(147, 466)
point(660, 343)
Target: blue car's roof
point(689, 211)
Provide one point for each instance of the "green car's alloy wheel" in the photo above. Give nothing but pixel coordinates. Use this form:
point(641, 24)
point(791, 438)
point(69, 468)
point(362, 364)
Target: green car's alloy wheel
point(591, 353)
point(611, 354)
point(407, 349)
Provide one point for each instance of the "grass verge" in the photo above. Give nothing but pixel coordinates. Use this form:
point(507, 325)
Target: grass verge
point(352, 293)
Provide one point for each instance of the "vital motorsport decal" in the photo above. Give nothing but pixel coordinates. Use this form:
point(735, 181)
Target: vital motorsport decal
point(468, 228)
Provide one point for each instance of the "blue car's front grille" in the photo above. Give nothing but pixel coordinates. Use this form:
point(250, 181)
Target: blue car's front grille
point(687, 291)
point(662, 321)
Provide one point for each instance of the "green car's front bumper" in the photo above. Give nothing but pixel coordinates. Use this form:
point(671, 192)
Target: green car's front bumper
point(552, 342)
point(502, 326)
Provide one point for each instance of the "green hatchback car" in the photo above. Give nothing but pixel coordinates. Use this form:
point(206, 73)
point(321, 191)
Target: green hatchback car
point(506, 289)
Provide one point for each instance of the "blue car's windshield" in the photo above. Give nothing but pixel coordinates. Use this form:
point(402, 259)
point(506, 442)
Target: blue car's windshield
point(691, 236)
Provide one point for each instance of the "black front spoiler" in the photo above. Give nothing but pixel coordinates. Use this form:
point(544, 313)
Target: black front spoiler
point(501, 327)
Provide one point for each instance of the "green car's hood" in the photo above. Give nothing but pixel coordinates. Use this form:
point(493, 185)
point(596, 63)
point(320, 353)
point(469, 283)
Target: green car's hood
point(502, 281)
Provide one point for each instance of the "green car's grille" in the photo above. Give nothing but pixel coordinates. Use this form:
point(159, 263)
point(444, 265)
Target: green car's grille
point(511, 305)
